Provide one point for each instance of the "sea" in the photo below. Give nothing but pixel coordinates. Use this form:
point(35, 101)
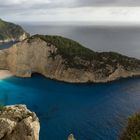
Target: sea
point(89, 111)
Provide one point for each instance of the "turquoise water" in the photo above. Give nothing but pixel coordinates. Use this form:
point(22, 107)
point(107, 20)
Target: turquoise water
point(90, 112)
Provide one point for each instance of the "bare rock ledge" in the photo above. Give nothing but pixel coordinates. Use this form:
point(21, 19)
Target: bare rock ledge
point(18, 123)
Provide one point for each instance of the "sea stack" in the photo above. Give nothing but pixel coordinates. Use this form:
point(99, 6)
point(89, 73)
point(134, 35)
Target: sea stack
point(71, 137)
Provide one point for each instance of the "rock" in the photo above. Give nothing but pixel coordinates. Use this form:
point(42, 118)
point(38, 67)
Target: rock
point(18, 123)
point(6, 127)
point(71, 137)
point(66, 60)
point(11, 32)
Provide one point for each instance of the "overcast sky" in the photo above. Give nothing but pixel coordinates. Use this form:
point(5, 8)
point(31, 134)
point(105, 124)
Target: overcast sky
point(71, 10)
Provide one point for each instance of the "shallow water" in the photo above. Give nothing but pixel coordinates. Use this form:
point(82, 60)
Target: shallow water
point(90, 112)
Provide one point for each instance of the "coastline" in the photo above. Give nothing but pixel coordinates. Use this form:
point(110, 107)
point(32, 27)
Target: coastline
point(5, 74)
point(88, 82)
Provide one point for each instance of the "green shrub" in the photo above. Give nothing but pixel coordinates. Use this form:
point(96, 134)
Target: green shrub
point(70, 49)
point(2, 108)
point(9, 30)
point(132, 131)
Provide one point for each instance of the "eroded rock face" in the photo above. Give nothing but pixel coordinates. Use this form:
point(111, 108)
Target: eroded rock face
point(35, 55)
point(18, 123)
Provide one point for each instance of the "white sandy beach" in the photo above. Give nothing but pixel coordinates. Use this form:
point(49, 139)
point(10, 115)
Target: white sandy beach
point(5, 74)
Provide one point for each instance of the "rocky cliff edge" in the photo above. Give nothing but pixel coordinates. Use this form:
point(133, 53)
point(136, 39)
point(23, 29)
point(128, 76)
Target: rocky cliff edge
point(18, 123)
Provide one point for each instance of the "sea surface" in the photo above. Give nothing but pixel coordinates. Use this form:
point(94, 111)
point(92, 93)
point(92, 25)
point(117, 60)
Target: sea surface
point(5, 45)
point(89, 111)
point(122, 39)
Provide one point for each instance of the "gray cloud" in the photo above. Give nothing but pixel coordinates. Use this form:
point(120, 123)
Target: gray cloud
point(108, 2)
point(13, 8)
point(63, 3)
point(85, 3)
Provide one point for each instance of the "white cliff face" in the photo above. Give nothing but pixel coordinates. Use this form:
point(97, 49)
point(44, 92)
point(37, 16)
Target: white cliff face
point(34, 56)
point(18, 123)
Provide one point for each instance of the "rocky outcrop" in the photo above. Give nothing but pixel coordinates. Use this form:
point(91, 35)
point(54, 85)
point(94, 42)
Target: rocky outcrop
point(71, 137)
point(18, 123)
point(11, 32)
point(65, 60)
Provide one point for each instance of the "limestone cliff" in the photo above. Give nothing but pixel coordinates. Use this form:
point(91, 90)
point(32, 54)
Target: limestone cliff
point(66, 60)
point(11, 32)
point(18, 123)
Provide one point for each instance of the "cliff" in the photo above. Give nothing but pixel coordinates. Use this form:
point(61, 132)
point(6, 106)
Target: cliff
point(18, 123)
point(66, 60)
point(11, 32)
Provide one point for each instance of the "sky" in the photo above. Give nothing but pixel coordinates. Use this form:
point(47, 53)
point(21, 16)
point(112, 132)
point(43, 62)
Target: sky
point(100, 11)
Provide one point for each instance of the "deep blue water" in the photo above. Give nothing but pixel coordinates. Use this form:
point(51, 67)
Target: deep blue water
point(90, 112)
